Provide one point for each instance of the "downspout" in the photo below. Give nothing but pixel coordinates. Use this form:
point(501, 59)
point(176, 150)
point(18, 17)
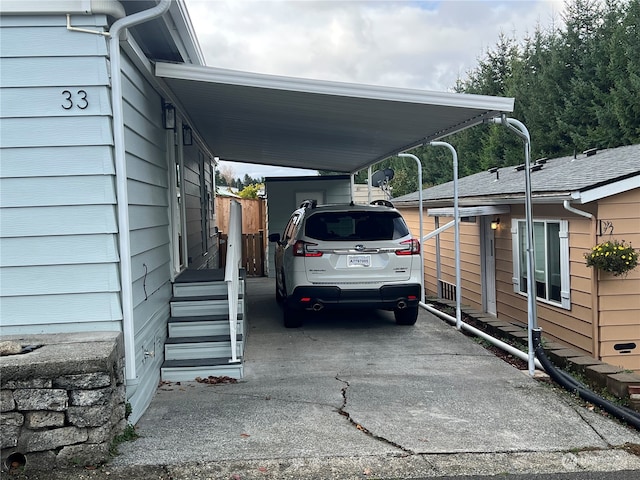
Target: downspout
point(568, 207)
point(595, 297)
point(124, 241)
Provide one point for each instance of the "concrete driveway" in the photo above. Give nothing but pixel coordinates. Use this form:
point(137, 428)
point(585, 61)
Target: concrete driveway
point(352, 395)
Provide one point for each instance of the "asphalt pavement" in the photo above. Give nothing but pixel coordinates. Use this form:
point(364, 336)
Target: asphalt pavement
point(351, 395)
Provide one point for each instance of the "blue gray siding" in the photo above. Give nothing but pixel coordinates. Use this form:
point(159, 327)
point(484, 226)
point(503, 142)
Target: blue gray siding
point(198, 190)
point(148, 193)
point(57, 229)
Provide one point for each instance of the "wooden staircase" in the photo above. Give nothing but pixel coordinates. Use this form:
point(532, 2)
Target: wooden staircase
point(199, 342)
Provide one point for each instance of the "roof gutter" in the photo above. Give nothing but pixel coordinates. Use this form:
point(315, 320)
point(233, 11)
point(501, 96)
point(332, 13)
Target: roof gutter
point(567, 206)
point(124, 242)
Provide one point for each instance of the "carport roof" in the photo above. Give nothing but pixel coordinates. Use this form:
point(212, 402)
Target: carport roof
point(294, 122)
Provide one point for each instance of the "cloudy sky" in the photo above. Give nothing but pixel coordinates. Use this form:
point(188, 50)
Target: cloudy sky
point(408, 44)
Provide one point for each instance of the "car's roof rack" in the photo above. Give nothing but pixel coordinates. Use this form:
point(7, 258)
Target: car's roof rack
point(309, 204)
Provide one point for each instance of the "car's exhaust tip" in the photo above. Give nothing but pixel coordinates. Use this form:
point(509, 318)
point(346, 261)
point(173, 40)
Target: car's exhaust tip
point(401, 305)
point(317, 307)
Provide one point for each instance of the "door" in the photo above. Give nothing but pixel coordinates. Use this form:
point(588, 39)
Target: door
point(488, 263)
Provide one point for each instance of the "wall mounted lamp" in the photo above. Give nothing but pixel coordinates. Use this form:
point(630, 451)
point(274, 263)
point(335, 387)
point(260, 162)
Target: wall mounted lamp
point(187, 135)
point(495, 223)
point(168, 116)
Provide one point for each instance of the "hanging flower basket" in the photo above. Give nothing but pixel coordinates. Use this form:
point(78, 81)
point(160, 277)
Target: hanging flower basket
point(613, 256)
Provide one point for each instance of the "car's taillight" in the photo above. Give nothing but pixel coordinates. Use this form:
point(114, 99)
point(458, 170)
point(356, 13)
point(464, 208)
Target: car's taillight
point(414, 247)
point(301, 249)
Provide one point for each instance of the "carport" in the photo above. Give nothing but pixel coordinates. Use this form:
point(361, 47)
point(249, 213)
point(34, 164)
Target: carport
point(295, 122)
point(303, 123)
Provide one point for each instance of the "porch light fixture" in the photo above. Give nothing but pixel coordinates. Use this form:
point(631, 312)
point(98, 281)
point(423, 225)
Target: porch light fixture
point(168, 116)
point(495, 223)
point(187, 136)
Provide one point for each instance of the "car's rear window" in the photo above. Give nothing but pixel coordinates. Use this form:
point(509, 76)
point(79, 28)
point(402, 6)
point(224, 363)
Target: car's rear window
point(339, 226)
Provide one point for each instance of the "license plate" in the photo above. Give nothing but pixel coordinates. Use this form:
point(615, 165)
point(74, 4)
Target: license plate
point(358, 260)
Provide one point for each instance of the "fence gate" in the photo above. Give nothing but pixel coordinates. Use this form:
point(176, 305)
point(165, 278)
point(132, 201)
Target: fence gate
point(252, 253)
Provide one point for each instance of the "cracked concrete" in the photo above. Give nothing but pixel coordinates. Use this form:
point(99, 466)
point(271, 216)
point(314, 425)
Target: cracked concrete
point(349, 394)
point(343, 411)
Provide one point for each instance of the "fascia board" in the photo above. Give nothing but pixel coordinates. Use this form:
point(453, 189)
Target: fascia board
point(184, 34)
point(323, 87)
point(607, 190)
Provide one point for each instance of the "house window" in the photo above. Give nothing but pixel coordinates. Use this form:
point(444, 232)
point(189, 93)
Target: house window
point(551, 252)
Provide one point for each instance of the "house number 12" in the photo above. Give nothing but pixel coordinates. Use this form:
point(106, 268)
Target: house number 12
point(80, 101)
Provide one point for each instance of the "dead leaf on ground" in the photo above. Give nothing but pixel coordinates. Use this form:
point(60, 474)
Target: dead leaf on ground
point(211, 380)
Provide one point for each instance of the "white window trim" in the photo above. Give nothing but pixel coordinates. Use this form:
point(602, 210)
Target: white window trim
point(565, 274)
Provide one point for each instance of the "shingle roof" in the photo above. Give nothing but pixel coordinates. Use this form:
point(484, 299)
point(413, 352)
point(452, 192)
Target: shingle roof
point(559, 176)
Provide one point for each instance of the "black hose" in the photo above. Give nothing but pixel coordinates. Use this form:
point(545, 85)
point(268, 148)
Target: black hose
point(627, 415)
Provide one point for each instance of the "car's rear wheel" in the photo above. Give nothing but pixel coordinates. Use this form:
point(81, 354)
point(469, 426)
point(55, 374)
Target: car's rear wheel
point(292, 318)
point(406, 316)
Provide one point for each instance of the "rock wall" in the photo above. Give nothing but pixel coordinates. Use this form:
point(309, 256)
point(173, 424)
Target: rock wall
point(63, 402)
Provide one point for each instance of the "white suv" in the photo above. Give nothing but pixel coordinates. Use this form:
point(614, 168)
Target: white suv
point(335, 256)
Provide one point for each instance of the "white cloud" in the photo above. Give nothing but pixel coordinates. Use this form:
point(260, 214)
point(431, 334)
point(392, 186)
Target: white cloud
point(408, 44)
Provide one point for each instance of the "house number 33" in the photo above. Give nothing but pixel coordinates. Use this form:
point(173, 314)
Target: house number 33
point(79, 100)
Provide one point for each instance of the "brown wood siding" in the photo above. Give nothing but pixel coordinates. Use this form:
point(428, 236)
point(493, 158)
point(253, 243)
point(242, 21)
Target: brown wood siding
point(619, 297)
point(470, 269)
point(572, 327)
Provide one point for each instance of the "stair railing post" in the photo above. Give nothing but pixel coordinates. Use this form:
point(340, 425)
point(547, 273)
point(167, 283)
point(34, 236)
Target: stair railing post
point(232, 272)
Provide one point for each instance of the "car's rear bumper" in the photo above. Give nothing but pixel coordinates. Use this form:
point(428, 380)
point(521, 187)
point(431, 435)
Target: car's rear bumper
point(386, 297)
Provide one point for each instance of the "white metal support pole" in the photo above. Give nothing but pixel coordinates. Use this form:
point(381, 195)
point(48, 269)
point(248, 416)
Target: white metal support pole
point(521, 131)
point(456, 219)
point(409, 155)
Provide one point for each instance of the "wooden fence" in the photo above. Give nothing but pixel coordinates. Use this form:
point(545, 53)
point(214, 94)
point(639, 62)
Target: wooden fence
point(252, 253)
point(254, 224)
point(254, 217)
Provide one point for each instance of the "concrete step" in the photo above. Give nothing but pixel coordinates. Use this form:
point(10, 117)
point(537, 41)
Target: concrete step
point(184, 348)
point(188, 370)
point(196, 289)
point(202, 326)
point(202, 306)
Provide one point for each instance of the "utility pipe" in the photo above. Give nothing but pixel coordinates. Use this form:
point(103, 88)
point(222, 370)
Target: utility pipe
point(479, 333)
point(567, 382)
point(409, 155)
point(124, 241)
point(521, 131)
point(456, 219)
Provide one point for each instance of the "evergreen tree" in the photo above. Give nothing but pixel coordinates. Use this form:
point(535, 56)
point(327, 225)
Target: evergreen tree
point(624, 68)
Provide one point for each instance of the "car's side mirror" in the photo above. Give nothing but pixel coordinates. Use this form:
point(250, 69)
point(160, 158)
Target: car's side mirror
point(274, 237)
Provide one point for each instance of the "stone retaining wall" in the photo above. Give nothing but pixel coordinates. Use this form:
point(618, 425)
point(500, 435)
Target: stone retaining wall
point(63, 403)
